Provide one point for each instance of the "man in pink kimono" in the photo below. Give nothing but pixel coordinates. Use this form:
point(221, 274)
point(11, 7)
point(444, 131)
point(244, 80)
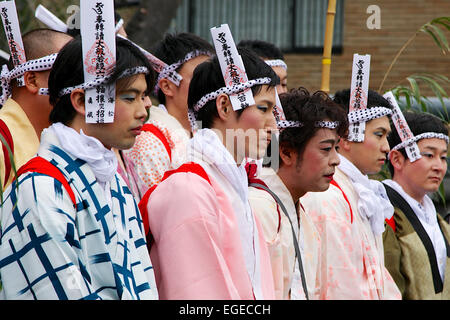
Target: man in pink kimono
point(308, 158)
point(205, 240)
point(350, 215)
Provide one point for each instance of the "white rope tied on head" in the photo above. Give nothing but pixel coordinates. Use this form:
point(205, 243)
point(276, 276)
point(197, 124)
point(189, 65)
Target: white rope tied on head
point(96, 82)
point(170, 72)
point(283, 124)
point(425, 135)
point(367, 114)
point(40, 64)
point(230, 90)
point(276, 63)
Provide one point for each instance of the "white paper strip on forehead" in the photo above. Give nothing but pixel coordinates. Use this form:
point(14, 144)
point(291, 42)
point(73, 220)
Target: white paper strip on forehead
point(99, 57)
point(12, 30)
point(233, 69)
point(402, 127)
point(359, 90)
point(49, 19)
point(278, 108)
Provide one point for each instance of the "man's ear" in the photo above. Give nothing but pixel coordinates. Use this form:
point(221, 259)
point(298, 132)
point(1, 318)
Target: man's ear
point(345, 144)
point(288, 155)
point(397, 159)
point(77, 100)
point(31, 82)
point(224, 107)
point(167, 87)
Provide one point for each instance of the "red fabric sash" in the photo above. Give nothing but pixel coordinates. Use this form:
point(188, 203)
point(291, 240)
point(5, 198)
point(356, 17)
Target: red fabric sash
point(334, 183)
point(187, 167)
point(40, 165)
point(4, 131)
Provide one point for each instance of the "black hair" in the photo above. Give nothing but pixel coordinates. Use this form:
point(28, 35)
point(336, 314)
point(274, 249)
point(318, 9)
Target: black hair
point(208, 78)
point(67, 71)
point(418, 123)
point(263, 49)
point(174, 47)
point(300, 105)
point(374, 99)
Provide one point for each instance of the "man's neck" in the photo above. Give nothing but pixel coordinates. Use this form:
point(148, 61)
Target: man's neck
point(36, 114)
point(286, 177)
point(411, 191)
point(180, 114)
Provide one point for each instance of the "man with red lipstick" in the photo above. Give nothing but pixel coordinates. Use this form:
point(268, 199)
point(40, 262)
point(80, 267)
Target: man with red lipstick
point(417, 246)
point(308, 157)
point(350, 215)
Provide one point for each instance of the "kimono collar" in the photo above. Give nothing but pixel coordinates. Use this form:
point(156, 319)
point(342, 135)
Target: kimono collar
point(208, 144)
point(102, 161)
point(373, 202)
point(212, 151)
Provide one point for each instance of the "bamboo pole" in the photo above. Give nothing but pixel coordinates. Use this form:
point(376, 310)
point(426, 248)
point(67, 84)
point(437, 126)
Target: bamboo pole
point(328, 44)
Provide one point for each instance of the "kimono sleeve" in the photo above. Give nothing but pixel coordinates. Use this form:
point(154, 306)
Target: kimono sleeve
point(150, 158)
point(265, 208)
point(40, 249)
point(189, 254)
point(392, 257)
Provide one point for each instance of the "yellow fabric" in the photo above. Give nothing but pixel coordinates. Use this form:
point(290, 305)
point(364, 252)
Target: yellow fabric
point(26, 142)
point(407, 260)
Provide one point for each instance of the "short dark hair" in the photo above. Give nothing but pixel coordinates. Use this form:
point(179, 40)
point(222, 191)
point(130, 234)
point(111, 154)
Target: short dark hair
point(263, 49)
point(418, 122)
point(374, 99)
point(174, 47)
point(300, 105)
point(38, 43)
point(67, 71)
point(208, 78)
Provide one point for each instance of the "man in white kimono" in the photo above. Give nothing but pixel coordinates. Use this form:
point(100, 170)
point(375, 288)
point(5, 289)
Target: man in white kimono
point(350, 215)
point(70, 226)
point(308, 157)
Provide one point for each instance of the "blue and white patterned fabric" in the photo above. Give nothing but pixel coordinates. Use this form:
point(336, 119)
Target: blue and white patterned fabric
point(51, 250)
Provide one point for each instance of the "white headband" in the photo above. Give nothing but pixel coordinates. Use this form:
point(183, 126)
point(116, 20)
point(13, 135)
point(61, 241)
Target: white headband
point(230, 90)
point(276, 63)
point(283, 124)
point(96, 82)
point(425, 135)
point(367, 114)
point(227, 90)
point(171, 69)
point(41, 64)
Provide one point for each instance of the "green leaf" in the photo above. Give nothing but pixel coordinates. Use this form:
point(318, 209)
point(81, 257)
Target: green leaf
point(441, 36)
point(444, 21)
point(426, 30)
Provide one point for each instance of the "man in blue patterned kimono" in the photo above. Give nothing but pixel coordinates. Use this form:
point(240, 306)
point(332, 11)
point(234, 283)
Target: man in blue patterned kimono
point(70, 228)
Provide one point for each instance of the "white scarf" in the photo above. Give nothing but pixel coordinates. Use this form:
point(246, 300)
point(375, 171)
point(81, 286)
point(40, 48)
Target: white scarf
point(373, 202)
point(428, 217)
point(102, 161)
point(212, 151)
